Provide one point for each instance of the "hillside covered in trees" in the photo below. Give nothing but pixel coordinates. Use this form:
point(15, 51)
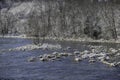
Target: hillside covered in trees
point(96, 19)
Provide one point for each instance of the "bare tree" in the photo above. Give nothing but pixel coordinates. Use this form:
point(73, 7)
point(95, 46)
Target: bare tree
point(71, 17)
point(92, 18)
point(40, 20)
point(108, 14)
point(7, 22)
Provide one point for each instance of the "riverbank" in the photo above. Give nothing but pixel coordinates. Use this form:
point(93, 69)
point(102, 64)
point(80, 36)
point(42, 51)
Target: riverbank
point(86, 39)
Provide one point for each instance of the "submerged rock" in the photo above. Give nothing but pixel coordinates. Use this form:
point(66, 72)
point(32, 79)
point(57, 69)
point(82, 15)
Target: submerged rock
point(118, 63)
point(70, 54)
point(77, 59)
point(55, 53)
point(58, 56)
point(68, 48)
point(31, 59)
point(64, 54)
point(91, 60)
point(43, 59)
point(40, 56)
point(109, 64)
point(76, 52)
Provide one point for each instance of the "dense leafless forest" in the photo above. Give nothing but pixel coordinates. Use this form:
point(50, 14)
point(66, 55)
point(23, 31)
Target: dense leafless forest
point(96, 19)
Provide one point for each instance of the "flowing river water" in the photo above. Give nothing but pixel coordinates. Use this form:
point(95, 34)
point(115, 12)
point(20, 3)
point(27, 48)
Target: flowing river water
point(14, 64)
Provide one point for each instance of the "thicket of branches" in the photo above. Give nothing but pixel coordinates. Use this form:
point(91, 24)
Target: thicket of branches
point(73, 18)
point(7, 23)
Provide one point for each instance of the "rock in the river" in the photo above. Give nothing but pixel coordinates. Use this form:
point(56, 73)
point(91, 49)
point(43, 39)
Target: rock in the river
point(112, 64)
point(108, 63)
point(68, 48)
point(93, 50)
point(107, 58)
point(76, 52)
point(100, 58)
point(86, 52)
point(118, 63)
point(70, 54)
point(112, 50)
point(64, 54)
point(58, 56)
point(10, 50)
point(77, 59)
point(40, 56)
point(31, 59)
point(52, 59)
point(55, 53)
point(118, 54)
point(92, 55)
point(43, 59)
point(50, 56)
point(84, 56)
point(91, 60)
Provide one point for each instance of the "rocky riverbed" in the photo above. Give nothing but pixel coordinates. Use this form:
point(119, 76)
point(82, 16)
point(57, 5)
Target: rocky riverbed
point(108, 56)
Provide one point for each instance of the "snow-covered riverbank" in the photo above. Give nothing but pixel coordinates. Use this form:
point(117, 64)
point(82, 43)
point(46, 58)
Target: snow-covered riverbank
point(67, 39)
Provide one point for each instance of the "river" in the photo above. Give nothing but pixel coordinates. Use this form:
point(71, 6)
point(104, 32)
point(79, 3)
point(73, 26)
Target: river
point(14, 64)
